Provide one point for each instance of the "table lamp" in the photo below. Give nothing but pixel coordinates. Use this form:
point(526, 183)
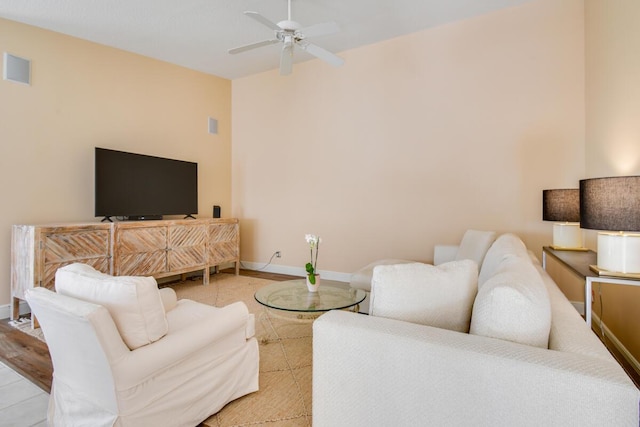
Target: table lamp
point(563, 207)
point(613, 206)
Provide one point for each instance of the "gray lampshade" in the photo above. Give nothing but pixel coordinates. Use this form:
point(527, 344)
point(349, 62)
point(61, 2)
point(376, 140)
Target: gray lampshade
point(561, 205)
point(611, 204)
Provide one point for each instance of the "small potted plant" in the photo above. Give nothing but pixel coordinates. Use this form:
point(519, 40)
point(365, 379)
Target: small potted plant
point(313, 278)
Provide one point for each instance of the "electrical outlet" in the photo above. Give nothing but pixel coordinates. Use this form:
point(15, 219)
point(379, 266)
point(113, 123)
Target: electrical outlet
point(278, 254)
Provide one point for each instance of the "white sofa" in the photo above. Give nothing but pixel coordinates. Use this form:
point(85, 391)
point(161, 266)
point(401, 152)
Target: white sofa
point(140, 357)
point(378, 371)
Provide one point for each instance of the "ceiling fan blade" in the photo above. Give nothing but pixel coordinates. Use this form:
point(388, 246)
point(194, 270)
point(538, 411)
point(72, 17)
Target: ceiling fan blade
point(252, 46)
point(321, 53)
point(320, 29)
point(264, 21)
point(286, 59)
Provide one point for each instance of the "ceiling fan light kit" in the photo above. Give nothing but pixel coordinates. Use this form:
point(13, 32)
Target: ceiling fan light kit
point(290, 33)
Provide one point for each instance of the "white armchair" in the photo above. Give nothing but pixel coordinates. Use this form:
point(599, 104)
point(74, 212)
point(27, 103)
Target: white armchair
point(205, 358)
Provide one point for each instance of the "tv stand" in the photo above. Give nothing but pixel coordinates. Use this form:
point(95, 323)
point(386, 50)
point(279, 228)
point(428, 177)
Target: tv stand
point(106, 218)
point(137, 248)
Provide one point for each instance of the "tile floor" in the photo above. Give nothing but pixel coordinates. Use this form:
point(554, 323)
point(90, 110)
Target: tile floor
point(22, 404)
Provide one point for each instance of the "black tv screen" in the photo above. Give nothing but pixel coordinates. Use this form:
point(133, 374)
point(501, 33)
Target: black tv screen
point(137, 186)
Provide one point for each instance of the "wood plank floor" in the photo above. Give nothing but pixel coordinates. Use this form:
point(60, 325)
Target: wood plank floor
point(30, 357)
point(26, 355)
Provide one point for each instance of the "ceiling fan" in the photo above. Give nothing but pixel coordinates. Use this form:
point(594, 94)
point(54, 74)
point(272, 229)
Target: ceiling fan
point(291, 34)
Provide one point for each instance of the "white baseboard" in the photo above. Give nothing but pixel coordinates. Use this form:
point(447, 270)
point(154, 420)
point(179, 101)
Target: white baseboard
point(295, 271)
point(595, 324)
point(5, 310)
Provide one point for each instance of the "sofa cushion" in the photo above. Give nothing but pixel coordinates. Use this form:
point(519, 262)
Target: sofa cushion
point(506, 245)
point(513, 304)
point(474, 245)
point(440, 296)
point(133, 302)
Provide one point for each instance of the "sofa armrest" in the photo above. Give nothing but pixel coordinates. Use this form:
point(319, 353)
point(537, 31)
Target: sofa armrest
point(445, 253)
point(361, 279)
point(376, 371)
point(169, 298)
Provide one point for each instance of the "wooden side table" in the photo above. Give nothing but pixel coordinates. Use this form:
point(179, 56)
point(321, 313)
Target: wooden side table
point(579, 262)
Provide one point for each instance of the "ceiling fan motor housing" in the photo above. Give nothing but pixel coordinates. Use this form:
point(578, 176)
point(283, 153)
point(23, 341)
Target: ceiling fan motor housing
point(289, 25)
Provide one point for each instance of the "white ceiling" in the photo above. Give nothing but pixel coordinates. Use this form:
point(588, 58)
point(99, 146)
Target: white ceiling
point(197, 33)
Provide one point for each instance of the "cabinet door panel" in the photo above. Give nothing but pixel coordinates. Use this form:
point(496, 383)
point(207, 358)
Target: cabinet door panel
point(49, 274)
point(223, 243)
point(187, 244)
point(60, 248)
point(223, 233)
point(140, 251)
point(142, 264)
point(137, 240)
point(223, 252)
point(76, 245)
point(187, 235)
point(183, 258)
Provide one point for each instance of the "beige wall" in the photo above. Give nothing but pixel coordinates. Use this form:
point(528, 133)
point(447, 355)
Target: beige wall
point(85, 95)
point(613, 87)
point(613, 131)
point(413, 140)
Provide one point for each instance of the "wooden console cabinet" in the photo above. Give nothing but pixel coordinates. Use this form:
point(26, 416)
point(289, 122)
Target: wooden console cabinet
point(145, 248)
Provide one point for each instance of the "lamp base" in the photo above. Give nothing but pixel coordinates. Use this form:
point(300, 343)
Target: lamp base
point(601, 272)
point(567, 236)
point(619, 252)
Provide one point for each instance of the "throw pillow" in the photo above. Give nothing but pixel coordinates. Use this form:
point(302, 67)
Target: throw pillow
point(475, 244)
point(133, 302)
point(440, 296)
point(506, 245)
point(513, 305)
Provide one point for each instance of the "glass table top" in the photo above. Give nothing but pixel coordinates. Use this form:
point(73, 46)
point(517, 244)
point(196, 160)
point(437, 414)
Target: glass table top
point(293, 295)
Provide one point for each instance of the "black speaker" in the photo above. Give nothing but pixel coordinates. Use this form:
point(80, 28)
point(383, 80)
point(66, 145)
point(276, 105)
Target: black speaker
point(216, 211)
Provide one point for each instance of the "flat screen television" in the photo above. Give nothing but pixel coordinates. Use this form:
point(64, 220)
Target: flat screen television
point(137, 186)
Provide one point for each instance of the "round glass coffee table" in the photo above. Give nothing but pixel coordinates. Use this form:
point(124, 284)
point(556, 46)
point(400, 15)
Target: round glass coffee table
point(293, 296)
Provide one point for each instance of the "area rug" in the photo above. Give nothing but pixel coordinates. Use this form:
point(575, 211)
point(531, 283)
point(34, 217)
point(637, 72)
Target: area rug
point(284, 398)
